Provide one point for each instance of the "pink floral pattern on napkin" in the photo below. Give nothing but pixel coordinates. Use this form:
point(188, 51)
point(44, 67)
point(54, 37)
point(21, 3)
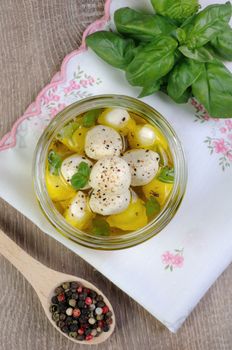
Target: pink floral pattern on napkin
point(173, 260)
point(220, 141)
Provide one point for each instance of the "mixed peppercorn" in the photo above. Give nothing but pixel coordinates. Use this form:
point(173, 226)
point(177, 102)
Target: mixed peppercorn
point(80, 312)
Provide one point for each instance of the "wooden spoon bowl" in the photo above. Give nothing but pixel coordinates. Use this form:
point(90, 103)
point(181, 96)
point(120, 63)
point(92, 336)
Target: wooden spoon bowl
point(44, 281)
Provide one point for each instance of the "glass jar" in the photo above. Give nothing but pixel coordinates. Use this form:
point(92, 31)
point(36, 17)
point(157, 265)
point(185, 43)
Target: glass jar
point(123, 240)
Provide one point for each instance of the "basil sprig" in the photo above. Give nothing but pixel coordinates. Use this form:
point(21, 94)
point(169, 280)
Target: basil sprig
point(177, 51)
point(81, 177)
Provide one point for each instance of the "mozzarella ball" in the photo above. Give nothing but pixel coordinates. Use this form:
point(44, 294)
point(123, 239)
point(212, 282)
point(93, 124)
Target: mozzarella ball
point(70, 166)
point(146, 136)
point(104, 203)
point(78, 213)
point(117, 118)
point(111, 175)
point(103, 141)
point(143, 164)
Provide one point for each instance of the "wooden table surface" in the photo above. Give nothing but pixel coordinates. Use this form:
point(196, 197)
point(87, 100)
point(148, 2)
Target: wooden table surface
point(35, 36)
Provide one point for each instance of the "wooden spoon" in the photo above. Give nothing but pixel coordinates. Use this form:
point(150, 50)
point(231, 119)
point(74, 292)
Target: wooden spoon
point(45, 280)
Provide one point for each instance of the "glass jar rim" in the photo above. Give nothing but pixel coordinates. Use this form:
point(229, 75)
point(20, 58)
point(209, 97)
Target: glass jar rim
point(127, 239)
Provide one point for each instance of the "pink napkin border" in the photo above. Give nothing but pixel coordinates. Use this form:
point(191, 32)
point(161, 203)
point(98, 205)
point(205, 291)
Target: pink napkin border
point(9, 139)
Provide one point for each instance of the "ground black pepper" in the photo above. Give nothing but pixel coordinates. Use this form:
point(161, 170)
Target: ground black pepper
point(80, 312)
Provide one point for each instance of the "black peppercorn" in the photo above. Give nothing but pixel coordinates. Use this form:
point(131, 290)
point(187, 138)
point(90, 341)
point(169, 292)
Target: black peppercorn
point(106, 328)
point(73, 327)
point(81, 303)
point(54, 308)
point(62, 308)
point(68, 293)
point(68, 320)
point(101, 304)
point(65, 329)
point(85, 312)
point(80, 337)
point(93, 294)
point(74, 285)
point(74, 296)
point(99, 297)
point(54, 300)
point(62, 317)
point(60, 324)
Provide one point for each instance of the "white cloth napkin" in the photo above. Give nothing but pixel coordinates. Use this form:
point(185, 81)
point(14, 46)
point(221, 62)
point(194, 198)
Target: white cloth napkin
point(169, 273)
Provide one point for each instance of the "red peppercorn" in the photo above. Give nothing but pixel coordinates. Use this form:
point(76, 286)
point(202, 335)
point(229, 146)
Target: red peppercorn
point(86, 290)
point(105, 309)
point(81, 331)
point(100, 324)
point(89, 337)
point(79, 290)
point(76, 312)
point(61, 297)
point(88, 301)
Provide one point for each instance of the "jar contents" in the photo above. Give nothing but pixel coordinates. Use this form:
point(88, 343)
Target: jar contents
point(109, 171)
point(80, 312)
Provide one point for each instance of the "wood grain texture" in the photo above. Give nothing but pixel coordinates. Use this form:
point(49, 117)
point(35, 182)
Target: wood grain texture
point(35, 36)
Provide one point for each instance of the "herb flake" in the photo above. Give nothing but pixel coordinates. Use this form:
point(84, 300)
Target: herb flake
point(68, 130)
point(152, 206)
point(54, 161)
point(100, 227)
point(90, 117)
point(167, 175)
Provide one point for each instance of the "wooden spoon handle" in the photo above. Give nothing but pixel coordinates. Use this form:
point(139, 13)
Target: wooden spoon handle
point(36, 273)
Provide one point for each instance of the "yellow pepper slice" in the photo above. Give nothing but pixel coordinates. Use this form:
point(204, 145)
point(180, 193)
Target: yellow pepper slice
point(57, 189)
point(76, 141)
point(133, 218)
point(160, 190)
point(61, 206)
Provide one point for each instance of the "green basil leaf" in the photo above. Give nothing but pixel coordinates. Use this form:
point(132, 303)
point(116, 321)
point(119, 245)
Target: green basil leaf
point(213, 89)
point(81, 177)
point(140, 26)
point(150, 89)
point(207, 24)
point(202, 54)
point(152, 206)
point(184, 97)
point(90, 117)
point(182, 77)
point(222, 44)
point(54, 161)
point(68, 130)
point(167, 175)
point(152, 62)
point(112, 48)
point(100, 227)
point(180, 35)
point(176, 9)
